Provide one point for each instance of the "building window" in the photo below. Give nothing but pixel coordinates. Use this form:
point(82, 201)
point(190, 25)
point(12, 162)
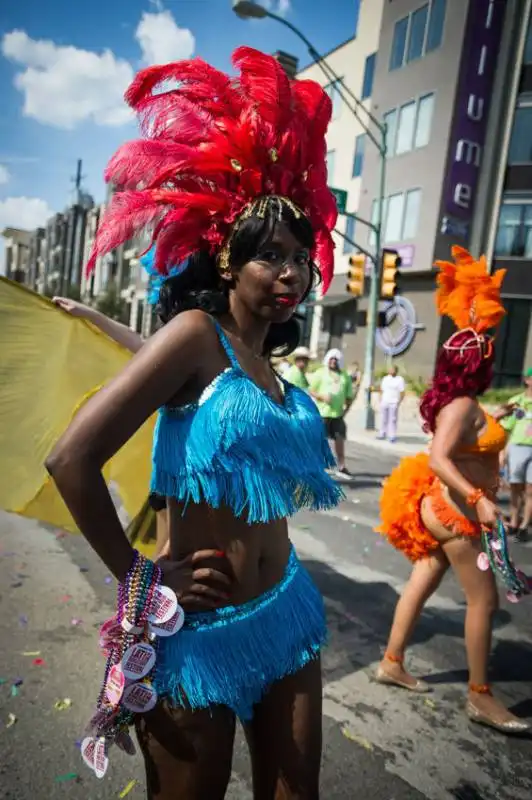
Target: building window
point(514, 232)
point(331, 157)
point(397, 56)
point(417, 34)
point(400, 217)
point(358, 161)
point(390, 120)
point(349, 246)
point(527, 56)
point(424, 120)
point(333, 90)
point(369, 73)
point(405, 128)
point(411, 218)
point(520, 151)
point(416, 39)
point(436, 25)
point(409, 127)
point(393, 224)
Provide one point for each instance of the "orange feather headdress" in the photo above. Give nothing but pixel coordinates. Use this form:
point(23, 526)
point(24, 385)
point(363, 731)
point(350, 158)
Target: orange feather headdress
point(470, 296)
point(467, 293)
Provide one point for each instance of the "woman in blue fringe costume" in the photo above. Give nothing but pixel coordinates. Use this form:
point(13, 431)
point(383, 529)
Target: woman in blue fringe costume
point(231, 175)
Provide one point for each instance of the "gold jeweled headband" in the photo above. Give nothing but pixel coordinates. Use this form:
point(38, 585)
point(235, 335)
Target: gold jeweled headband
point(259, 206)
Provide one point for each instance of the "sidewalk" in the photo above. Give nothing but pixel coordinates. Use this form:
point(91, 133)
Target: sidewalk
point(410, 439)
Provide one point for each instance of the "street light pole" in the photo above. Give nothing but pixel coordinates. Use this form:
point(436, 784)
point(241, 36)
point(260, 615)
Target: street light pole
point(247, 9)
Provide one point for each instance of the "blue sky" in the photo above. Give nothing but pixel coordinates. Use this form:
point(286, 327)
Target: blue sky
point(64, 67)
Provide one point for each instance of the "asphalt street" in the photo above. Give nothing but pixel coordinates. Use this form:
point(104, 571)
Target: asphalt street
point(378, 742)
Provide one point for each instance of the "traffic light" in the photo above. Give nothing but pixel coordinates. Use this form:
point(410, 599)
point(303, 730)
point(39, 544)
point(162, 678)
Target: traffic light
point(391, 261)
point(356, 274)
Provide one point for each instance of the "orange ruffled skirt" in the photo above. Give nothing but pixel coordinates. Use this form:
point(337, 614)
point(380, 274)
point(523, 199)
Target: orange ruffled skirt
point(400, 508)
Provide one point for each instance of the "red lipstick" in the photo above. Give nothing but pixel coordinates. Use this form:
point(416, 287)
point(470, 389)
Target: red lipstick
point(287, 300)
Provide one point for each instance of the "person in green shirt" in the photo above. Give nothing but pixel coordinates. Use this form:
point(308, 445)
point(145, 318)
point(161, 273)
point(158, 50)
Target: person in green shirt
point(332, 389)
point(297, 372)
point(519, 458)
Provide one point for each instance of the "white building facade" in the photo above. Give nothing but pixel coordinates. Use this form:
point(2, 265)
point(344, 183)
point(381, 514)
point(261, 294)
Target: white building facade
point(354, 62)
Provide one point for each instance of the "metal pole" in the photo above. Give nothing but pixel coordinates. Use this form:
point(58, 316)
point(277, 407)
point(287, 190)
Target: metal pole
point(374, 292)
point(375, 279)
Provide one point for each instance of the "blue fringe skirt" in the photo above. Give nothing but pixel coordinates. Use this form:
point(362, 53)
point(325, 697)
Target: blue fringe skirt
point(231, 656)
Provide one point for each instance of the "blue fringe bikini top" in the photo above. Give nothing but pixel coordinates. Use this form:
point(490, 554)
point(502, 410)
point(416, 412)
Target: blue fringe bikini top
point(237, 446)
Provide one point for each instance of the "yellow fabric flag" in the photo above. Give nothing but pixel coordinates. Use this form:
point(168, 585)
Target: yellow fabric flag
point(51, 363)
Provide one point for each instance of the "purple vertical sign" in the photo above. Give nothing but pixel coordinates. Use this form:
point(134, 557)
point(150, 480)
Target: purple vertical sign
point(477, 71)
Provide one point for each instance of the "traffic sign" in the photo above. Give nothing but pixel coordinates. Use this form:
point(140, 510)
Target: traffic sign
point(340, 195)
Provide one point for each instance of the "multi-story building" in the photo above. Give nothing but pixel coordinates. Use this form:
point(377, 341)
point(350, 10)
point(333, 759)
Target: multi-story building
point(17, 252)
point(36, 261)
point(453, 83)
point(354, 61)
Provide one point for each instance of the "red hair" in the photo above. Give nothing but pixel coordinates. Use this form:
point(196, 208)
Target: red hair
point(459, 372)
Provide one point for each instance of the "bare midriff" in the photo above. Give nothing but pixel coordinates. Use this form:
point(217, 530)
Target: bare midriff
point(257, 553)
point(482, 472)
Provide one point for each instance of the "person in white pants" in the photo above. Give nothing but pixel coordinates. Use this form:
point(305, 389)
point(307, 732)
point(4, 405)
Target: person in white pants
point(392, 391)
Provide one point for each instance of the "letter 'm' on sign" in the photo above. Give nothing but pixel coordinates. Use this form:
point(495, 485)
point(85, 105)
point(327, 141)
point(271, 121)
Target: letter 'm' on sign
point(463, 195)
point(468, 151)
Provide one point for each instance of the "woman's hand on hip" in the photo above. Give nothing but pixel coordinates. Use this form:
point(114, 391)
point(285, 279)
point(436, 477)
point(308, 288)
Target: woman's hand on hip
point(487, 512)
point(202, 581)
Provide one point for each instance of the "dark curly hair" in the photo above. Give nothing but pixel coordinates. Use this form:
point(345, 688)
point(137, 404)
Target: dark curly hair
point(457, 374)
point(199, 285)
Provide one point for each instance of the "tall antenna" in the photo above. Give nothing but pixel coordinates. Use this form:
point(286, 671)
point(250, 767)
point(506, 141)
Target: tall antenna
point(77, 181)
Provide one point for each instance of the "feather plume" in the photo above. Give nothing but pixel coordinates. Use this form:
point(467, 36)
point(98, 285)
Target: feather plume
point(211, 145)
point(467, 293)
point(265, 84)
point(199, 80)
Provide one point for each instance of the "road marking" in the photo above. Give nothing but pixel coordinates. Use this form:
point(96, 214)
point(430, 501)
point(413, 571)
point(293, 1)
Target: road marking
point(426, 740)
point(350, 516)
point(314, 548)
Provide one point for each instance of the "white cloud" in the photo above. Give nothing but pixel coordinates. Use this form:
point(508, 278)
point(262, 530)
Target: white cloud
point(161, 39)
point(18, 159)
point(281, 7)
point(26, 213)
point(65, 85)
point(4, 175)
point(284, 7)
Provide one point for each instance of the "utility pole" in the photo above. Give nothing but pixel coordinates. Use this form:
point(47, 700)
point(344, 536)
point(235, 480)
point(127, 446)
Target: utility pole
point(376, 132)
point(74, 219)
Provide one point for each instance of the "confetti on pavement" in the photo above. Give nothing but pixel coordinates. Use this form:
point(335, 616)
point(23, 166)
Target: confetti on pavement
point(353, 737)
point(38, 662)
point(11, 719)
point(126, 790)
point(70, 776)
point(63, 705)
point(32, 653)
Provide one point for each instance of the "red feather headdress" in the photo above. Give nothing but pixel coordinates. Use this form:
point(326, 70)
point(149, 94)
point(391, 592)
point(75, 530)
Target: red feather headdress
point(212, 146)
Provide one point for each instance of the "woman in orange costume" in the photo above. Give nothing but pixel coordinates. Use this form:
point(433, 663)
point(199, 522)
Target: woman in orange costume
point(434, 507)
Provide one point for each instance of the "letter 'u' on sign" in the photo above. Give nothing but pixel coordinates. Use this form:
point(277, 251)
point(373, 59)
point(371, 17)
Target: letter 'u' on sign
point(463, 195)
point(475, 108)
